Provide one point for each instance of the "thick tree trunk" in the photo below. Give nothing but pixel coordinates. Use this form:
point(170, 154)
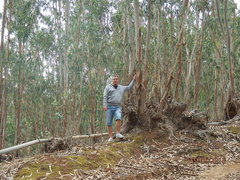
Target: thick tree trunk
point(140, 76)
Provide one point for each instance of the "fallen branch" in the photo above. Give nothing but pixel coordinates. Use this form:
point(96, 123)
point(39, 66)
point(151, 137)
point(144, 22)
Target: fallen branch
point(137, 168)
point(20, 146)
point(132, 167)
point(188, 174)
point(39, 141)
point(221, 123)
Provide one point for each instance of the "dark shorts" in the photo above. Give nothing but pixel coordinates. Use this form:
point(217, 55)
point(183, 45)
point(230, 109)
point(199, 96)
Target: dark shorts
point(113, 112)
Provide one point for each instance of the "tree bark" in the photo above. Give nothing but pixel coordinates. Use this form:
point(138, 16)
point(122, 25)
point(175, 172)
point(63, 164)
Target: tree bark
point(140, 86)
point(229, 50)
point(65, 71)
point(216, 94)
point(197, 67)
point(3, 24)
point(3, 80)
point(189, 65)
point(19, 97)
point(130, 42)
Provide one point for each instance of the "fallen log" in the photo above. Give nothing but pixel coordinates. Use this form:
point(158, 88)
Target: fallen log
point(47, 140)
point(221, 123)
point(21, 146)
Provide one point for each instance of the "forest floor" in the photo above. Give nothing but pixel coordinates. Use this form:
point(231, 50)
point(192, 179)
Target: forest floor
point(159, 154)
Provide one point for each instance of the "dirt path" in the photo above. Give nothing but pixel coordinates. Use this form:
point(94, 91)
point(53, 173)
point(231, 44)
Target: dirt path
point(221, 171)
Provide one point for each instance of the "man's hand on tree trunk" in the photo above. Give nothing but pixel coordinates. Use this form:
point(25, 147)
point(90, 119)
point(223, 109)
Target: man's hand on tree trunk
point(104, 108)
point(134, 77)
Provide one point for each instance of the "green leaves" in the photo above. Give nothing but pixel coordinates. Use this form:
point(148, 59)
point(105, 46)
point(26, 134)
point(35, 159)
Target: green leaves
point(24, 18)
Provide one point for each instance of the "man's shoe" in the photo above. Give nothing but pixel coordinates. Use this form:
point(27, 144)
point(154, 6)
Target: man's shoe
point(118, 135)
point(110, 139)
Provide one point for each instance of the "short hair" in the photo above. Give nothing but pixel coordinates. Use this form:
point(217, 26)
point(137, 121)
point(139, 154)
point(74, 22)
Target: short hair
point(115, 75)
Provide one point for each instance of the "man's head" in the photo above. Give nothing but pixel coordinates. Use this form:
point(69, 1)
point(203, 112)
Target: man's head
point(115, 80)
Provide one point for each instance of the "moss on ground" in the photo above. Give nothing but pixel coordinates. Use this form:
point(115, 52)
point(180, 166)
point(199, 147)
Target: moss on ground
point(200, 153)
point(234, 129)
point(52, 166)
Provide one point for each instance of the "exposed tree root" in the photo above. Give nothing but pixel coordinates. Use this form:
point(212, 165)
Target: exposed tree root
point(56, 145)
point(232, 108)
point(174, 116)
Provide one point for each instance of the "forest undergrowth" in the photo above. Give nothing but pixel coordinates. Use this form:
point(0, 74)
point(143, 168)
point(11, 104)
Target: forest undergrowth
point(160, 154)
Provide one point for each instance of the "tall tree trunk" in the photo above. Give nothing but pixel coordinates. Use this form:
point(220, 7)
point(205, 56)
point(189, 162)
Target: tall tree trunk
point(3, 24)
point(147, 50)
point(3, 80)
point(146, 59)
point(140, 85)
point(19, 95)
point(197, 67)
point(157, 61)
point(179, 47)
point(131, 43)
point(223, 91)
point(229, 51)
point(179, 73)
point(197, 73)
point(92, 103)
point(216, 95)
point(227, 38)
point(189, 65)
point(65, 71)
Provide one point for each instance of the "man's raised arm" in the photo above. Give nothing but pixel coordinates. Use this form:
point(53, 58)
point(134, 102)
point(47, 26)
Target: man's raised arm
point(128, 87)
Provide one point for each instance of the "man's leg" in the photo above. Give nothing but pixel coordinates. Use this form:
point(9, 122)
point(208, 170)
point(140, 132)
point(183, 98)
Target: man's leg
point(118, 126)
point(110, 131)
point(109, 118)
point(118, 117)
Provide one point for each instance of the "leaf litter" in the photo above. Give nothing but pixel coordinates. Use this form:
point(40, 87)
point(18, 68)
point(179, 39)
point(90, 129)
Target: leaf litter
point(183, 157)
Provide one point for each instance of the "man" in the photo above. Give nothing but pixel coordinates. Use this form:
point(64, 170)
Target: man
point(112, 99)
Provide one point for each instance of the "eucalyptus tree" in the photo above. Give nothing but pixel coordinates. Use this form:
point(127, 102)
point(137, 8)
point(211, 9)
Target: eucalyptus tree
point(3, 79)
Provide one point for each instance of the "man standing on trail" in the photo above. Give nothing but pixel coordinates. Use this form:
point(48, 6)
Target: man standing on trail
point(112, 99)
